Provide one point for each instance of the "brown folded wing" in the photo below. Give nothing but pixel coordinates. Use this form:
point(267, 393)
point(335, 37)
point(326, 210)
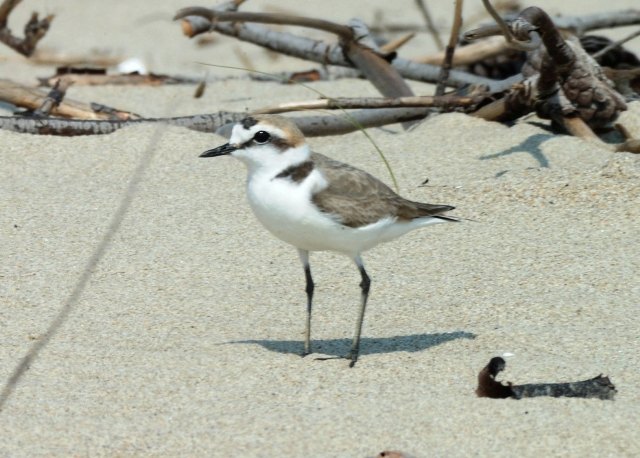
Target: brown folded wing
point(357, 198)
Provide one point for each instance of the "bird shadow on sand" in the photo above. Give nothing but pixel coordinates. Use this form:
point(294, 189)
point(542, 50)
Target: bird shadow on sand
point(531, 145)
point(368, 345)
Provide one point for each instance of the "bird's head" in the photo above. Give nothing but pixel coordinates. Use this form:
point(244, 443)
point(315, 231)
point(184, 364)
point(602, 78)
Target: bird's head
point(261, 141)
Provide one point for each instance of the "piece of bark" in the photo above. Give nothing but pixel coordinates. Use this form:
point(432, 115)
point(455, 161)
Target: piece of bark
point(599, 387)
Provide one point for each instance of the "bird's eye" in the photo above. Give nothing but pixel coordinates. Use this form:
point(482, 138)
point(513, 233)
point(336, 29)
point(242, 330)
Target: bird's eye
point(262, 136)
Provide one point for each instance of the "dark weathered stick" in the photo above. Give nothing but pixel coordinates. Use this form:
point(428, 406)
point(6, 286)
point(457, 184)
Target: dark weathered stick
point(386, 78)
point(5, 10)
point(34, 30)
point(598, 387)
point(451, 47)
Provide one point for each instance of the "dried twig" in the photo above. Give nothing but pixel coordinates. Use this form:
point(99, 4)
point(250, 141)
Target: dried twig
point(446, 102)
point(451, 46)
point(396, 44)
point(431, 27)
point(598, 387)
point(616, 44)
point(34, 30)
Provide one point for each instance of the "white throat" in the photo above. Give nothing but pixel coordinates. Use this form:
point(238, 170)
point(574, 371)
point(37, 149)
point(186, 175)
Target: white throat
point(269, 159)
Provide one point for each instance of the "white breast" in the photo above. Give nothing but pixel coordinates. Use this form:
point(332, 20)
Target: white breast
point(284, 207)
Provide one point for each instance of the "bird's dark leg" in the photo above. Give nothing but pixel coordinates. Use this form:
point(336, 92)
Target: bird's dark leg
point(365, 284)
point(304, 257)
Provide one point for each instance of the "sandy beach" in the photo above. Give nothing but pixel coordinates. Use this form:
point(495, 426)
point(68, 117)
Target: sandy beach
point(178, 319)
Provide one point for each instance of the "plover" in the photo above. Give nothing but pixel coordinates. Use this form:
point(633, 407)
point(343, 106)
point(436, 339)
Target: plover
point(317, 204)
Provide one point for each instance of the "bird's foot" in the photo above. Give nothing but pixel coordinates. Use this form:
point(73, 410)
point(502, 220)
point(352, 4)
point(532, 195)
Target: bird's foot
point(351, 357)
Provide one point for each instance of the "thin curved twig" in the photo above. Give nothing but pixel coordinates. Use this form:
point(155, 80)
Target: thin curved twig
point(451, 47)
point(502, 27)
point(212, 15)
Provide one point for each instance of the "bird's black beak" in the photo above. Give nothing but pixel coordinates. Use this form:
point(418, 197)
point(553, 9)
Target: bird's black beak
point(227, 148)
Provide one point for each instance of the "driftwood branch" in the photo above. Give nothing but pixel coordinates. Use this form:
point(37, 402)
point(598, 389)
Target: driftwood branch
point(221, 122)
point(377, 70)
point(34, 30)
point(323, 53)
